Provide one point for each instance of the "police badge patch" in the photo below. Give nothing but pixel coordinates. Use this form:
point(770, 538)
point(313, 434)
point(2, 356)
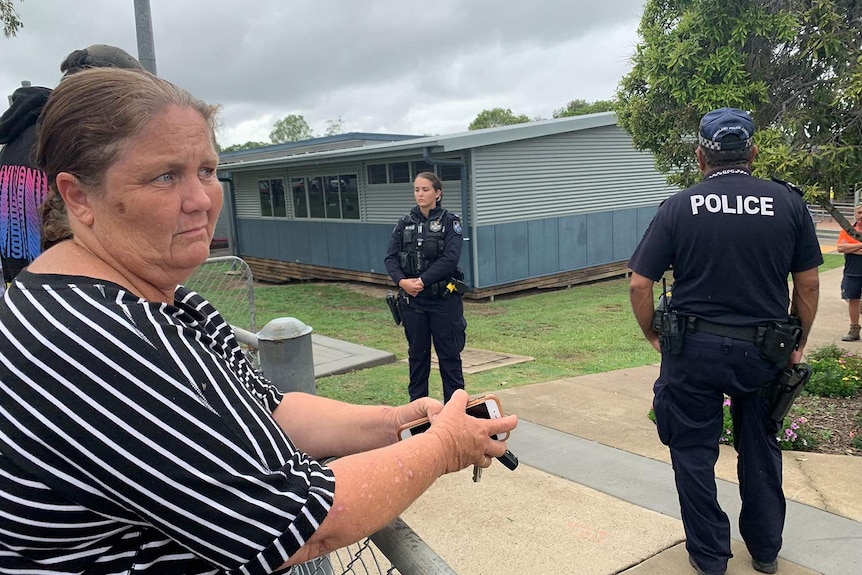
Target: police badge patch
point(456, 226)
point(435, 226)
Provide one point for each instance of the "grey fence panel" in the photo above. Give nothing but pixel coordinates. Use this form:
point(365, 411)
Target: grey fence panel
point(228, 283)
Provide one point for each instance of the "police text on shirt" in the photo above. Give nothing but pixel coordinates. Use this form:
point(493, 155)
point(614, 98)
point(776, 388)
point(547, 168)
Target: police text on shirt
point(714, 203)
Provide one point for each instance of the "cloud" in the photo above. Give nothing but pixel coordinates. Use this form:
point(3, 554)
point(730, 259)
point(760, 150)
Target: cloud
point(400, 66)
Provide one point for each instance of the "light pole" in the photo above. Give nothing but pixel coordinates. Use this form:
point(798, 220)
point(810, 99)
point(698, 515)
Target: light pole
point(144, 28)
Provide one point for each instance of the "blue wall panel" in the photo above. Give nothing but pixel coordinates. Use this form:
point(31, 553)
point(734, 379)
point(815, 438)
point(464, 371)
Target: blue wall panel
point(624, 234)
point(486, 263)
point(338, 246)
point(544, 247)
point(645, 216)
point(572, 242)
point(359, 247)
point(506, 252)
point(512, 248)
point(518, 251)
point(600, 235)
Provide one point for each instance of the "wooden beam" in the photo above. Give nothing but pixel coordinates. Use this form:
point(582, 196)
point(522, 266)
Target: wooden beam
point(274, 271)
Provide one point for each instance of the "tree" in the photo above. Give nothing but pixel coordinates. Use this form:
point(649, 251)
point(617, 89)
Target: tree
point(581, 107)
point(334, 127)
point(291, 128)
point(246, 146)
point(795, 64)
point(496, 117)
point(10, 19)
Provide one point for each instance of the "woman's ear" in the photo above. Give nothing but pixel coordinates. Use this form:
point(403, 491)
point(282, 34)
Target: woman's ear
point(75, 197)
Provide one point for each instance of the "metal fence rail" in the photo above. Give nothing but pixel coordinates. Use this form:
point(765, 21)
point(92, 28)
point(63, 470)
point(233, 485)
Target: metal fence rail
point(395, 549)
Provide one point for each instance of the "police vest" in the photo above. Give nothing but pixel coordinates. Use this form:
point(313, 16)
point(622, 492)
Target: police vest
point(421, 243)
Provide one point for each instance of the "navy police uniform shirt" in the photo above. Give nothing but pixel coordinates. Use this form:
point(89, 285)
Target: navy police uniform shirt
point(732, 239)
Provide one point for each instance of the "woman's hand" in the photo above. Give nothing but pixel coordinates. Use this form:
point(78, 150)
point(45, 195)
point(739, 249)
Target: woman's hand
point(411, 286)
point(466, 439)
point(422, 407)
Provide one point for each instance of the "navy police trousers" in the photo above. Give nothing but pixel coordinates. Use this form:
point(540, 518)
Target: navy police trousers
point(441, 320)
point(689, 394)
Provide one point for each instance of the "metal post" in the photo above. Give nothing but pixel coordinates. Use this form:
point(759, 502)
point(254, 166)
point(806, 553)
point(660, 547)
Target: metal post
point(286, 354)
point(408, 552)
point(144, 28)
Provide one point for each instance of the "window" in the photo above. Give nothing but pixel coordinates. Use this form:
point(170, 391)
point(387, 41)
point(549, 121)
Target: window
point(399, 173)
point(421, 166)
point(349, 197)
point(406, 172)
point(316, 201)
point(330, 194)
point(449, 173)
point(377, 173)
point(331, 197)
point(272, 198)
point(300, 200)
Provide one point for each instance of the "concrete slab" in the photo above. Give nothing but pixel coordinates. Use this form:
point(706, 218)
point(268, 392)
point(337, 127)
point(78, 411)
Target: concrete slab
point(478, 360)
point(333, 356)
point(675, 560)
point(528, 522)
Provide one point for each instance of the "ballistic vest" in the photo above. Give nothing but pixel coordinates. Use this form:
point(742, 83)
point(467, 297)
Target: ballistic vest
point(421, 243)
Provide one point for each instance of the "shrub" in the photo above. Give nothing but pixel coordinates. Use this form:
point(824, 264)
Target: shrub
point(834, 373)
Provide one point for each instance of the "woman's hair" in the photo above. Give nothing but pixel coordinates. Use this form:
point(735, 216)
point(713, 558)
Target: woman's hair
point(435, 182)
point(87, 121)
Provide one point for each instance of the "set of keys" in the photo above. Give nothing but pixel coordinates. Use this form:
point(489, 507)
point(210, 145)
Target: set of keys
point(508, 459)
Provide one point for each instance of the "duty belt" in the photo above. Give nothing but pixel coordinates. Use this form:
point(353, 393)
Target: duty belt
point(751, 334)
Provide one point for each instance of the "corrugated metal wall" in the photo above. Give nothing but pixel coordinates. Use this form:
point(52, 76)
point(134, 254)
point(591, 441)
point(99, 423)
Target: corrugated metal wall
point(576, 173)
point(387, 203)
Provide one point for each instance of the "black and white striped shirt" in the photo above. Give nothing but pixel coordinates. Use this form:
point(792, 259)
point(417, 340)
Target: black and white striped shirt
point(135, 438)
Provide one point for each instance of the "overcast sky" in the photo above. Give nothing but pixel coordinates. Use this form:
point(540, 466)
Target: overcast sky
point(393, 66)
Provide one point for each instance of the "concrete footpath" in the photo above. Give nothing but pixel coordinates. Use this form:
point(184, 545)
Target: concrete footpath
point(594, 493)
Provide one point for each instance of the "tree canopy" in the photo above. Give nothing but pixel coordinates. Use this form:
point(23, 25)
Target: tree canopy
point(796, 65)
point(497, 117)
point(334, 127)
point(10, 19)
point(581, 107)
point(291, 128)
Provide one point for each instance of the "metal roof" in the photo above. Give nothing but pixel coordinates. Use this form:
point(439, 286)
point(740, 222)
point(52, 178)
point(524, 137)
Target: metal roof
point(338, 141)
point(444, 143)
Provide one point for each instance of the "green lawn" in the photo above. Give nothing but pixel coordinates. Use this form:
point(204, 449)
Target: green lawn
point(581, 330)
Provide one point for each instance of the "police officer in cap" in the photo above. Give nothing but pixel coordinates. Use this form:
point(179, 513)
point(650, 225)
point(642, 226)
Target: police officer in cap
point(731, 240)
point(422, 260)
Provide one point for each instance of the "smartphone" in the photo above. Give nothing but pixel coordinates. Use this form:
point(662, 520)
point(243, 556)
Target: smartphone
point(485, 406)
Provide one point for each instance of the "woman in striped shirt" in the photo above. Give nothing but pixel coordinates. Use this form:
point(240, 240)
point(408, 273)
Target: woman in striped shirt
point(134, 437)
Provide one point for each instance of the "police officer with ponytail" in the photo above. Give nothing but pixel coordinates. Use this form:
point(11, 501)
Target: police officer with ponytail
point(422, 260)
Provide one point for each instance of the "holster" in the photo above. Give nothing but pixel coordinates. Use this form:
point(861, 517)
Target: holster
point(394, 309)
point(784, 389)
point(672, 334)
point(779, 341)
